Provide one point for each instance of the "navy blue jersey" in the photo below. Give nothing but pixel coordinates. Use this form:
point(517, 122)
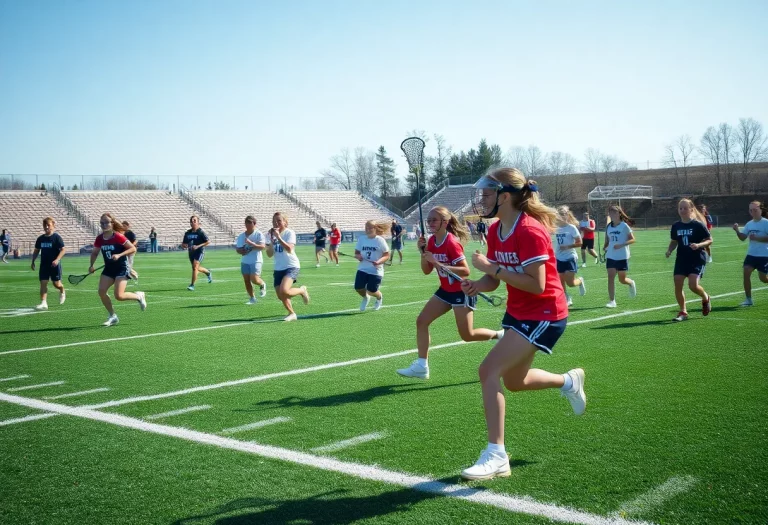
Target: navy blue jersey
point(481, 226)
point(687, 233)
point(49, 246)
point(109, 247)
point(320, 237)
point(396, 231)
point(194, 238)
point(130, 236)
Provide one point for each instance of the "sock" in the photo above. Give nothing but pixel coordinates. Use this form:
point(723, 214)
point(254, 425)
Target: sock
point(499, 334)
point(568, 383)
point(496, 449)
point(422, 362)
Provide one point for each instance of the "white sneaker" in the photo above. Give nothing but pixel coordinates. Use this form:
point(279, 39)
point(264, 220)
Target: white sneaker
point(415, 370)
point(576, 395)
point(337, 264)
point(263, 290)
point(364, 303)
point(583, 265)
point(317, 265)
point(62, 297)
point(252, 300)
point(291, 317)
point(378, 303)
point(499, 334)
point(210, 277)
point(709, 259)
point(191, 287)
point(142, 300)
point(41, 307)
point(489, 466)
point(612, 304)
point(111, 321)
point(582, 288)
point(304, 294)
point(747, 302)
point(632, 290)
point(570, 301)
point(597, 260)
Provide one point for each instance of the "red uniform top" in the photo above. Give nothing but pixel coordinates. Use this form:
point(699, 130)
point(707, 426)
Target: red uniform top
point(110, 247)
point(335, 236)
point(586, 234)
point(528, 242)
point(450, 252)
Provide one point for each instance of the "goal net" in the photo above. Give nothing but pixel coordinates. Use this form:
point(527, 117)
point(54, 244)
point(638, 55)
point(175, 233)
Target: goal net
point(626, 196)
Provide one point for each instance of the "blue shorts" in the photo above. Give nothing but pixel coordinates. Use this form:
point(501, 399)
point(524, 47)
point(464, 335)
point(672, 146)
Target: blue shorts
point(456, 299)
point(621, 265)
point(334, 247)
point(250, 268)
point(542, 334)
point(319, 246)
point(50, 273)
point(758, 263)
point(113, 272)
point(397, 245)
point(567, 266)
point(278, 275)
point(5, 248)
point(689, 268)
point(369, 281)
point(196, 255)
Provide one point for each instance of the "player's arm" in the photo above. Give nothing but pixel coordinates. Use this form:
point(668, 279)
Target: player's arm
point(255, 245)
point(288, 247)
point(485, 284)
point(739, 234)
point(94, 254)
point(358, 255)
point(203, 245)
point(576, 243)
point(426, 266)
point(34, 256)
point(759, 238)
point(630, 240)
point(460, 268)
point(381, 260)
point(130, 250)
point(671, 248)
point(56, 261)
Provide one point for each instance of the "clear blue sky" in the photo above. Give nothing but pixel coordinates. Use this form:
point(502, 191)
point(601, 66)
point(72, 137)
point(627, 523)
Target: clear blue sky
point(247, 88)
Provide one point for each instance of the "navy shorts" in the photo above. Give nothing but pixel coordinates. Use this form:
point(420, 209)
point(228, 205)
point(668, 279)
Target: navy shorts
point(567, 266)
point(369, 281)
point(397, 245)
point(319, 246)
point(196, 255)
point(334, 247)
point(588, 244)
point(5, 248)
point(689, 267)
point(278, 275)
point(456, 299)
point(50, 273)
point(621, 265)
point(113, 272)
point(758, 263)
point(542, 334)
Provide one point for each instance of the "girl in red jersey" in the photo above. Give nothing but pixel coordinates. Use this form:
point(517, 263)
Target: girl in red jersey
point(444, 249)
point(335, 238)
point(115, 249)
point(520, 254)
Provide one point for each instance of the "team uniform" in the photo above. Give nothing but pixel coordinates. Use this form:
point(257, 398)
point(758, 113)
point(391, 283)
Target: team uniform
point(5, 240)
point(687, 260)
point(617, 259)
point(710, 222)
point(320, 237)
point(286, 264)
point(335, 238)
point(192, 239)
point(481, 228)
point(397, 241)
point(587, 236)
point(757, 252)
point(567, 260)
point(369, 276)
point(109, 247)
point(449, 253)
point(251, 262)
point(49, 246)
point(132, 238)
point(541, 319)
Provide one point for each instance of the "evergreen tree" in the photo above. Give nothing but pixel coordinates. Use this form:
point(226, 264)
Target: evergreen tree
point(385, 174)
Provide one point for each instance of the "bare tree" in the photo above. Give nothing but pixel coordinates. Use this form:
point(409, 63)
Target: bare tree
point(751, 143)
point(678, 157)
point(593, 164)
point(727, 139)
point(439, 162)
point(555, 185)
point(364, 170)
point(515, 158)
point(536, 162)
point(340, 174)
point(712, 148)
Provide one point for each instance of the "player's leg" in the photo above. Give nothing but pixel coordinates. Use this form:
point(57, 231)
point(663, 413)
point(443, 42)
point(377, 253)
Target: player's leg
point(583, 256)
point(120, 294)
point(680, 298)
point(105, 282)
point(612, 285)
point(62, 293)
point(247, 278)
point(419, 367)
point(195, 269)
point(748, 284)
point(623, 279)
point(694, 283)
point(43, 296)
point(465, 322)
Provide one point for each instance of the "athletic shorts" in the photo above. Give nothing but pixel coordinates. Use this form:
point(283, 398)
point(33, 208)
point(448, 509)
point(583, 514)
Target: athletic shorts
point(369, 281)
point(621, 265)
point(113, 272)
point(5, 248)
point(250, 268)
point(758, 263)
point(588, 244)
point(567, 266)
point(277, 276)
point(456, 299)
point(542, 334)
point(397, 245)
point(50, 273)
point(319, 246)
point(196, 255)
point(689, 268)
point(334, 247)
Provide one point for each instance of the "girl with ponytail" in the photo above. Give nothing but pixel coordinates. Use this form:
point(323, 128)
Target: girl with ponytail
point(618, 237)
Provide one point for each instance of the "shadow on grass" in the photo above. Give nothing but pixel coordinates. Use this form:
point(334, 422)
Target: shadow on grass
point(361, 396)
point(57, 329)
point(306, 317)
point(206, 305)
point(661, 322)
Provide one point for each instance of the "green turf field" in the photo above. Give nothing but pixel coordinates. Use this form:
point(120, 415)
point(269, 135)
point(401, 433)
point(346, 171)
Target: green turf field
point(218, 412)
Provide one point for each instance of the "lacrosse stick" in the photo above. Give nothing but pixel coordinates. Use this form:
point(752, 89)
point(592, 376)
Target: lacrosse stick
point(413, 147)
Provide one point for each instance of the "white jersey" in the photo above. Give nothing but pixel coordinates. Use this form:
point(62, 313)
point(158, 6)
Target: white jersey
point(253, 256)
point(371, 250)
point(566, 235)
point(760, 228)
point(283, 259)
point(618, 234)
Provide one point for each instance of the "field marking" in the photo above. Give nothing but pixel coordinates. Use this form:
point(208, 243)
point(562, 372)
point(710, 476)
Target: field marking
point(198, 329)
point(522, 504)
point(30, 387)
point(75, 394)
point(655, 497)
point(256, 424)
point(33, 417)
point(177, 412)
point(24, 376)
point(351, 442)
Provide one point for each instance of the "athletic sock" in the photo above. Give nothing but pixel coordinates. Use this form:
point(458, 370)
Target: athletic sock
point(496, 449)
point(422, 362)
point(567, 383)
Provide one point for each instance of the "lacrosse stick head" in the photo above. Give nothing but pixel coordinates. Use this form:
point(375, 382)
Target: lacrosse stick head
point(413, 147)
point(76, 279)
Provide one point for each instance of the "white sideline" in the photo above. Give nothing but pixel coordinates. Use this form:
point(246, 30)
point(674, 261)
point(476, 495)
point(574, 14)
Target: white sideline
point(523, 505)
point(177, 412)
point(24, 376)
point(351, 442)
point(75, 394)
point(655, 497)
point(257, 424)
point(33, 417)
point(30, 387)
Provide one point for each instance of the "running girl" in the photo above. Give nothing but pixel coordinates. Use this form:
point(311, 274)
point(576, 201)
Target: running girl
point(249, 244)
point(444, 250)
point(5, 244)
point(618, 237)
point(51, 248)
point(568, 239)
point(520, 254)
point(335, 241)
point(481, 228)
point(195, 240)
point(320, 237)
point(587, 227)
point(115, 249)
point(756, 231)
point(397, 240)
point(690, 236)
point(372, 252)
point(281, 245)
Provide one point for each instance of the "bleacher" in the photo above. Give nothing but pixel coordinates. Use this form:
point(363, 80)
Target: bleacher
point(22, 213)
point(348, 209)
point(455, 198)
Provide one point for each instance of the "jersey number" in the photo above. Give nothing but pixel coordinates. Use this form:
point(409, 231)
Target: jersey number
point(108, 254)
point(368, 255)
point(685, 240)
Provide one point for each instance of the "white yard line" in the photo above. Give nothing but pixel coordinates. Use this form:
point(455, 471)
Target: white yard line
point(655, 497)
point(33, 417)
point(522, 504)
point(30, 387)
point(255, 425)
point(178, 412)
point(351, 442)
point(76, 394)
point(14, 378)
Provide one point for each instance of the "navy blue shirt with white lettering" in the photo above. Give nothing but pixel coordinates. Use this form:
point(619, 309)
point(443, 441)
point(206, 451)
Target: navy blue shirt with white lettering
point(112, 246)
point(194, 238)
point(49, 246)
point(687, 233)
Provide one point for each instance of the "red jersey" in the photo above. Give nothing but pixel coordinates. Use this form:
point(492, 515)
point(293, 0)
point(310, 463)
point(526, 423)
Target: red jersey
point(450, 252)
point(335, 236)
point(528, 242)
point(111, 246)
point(586, 234)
